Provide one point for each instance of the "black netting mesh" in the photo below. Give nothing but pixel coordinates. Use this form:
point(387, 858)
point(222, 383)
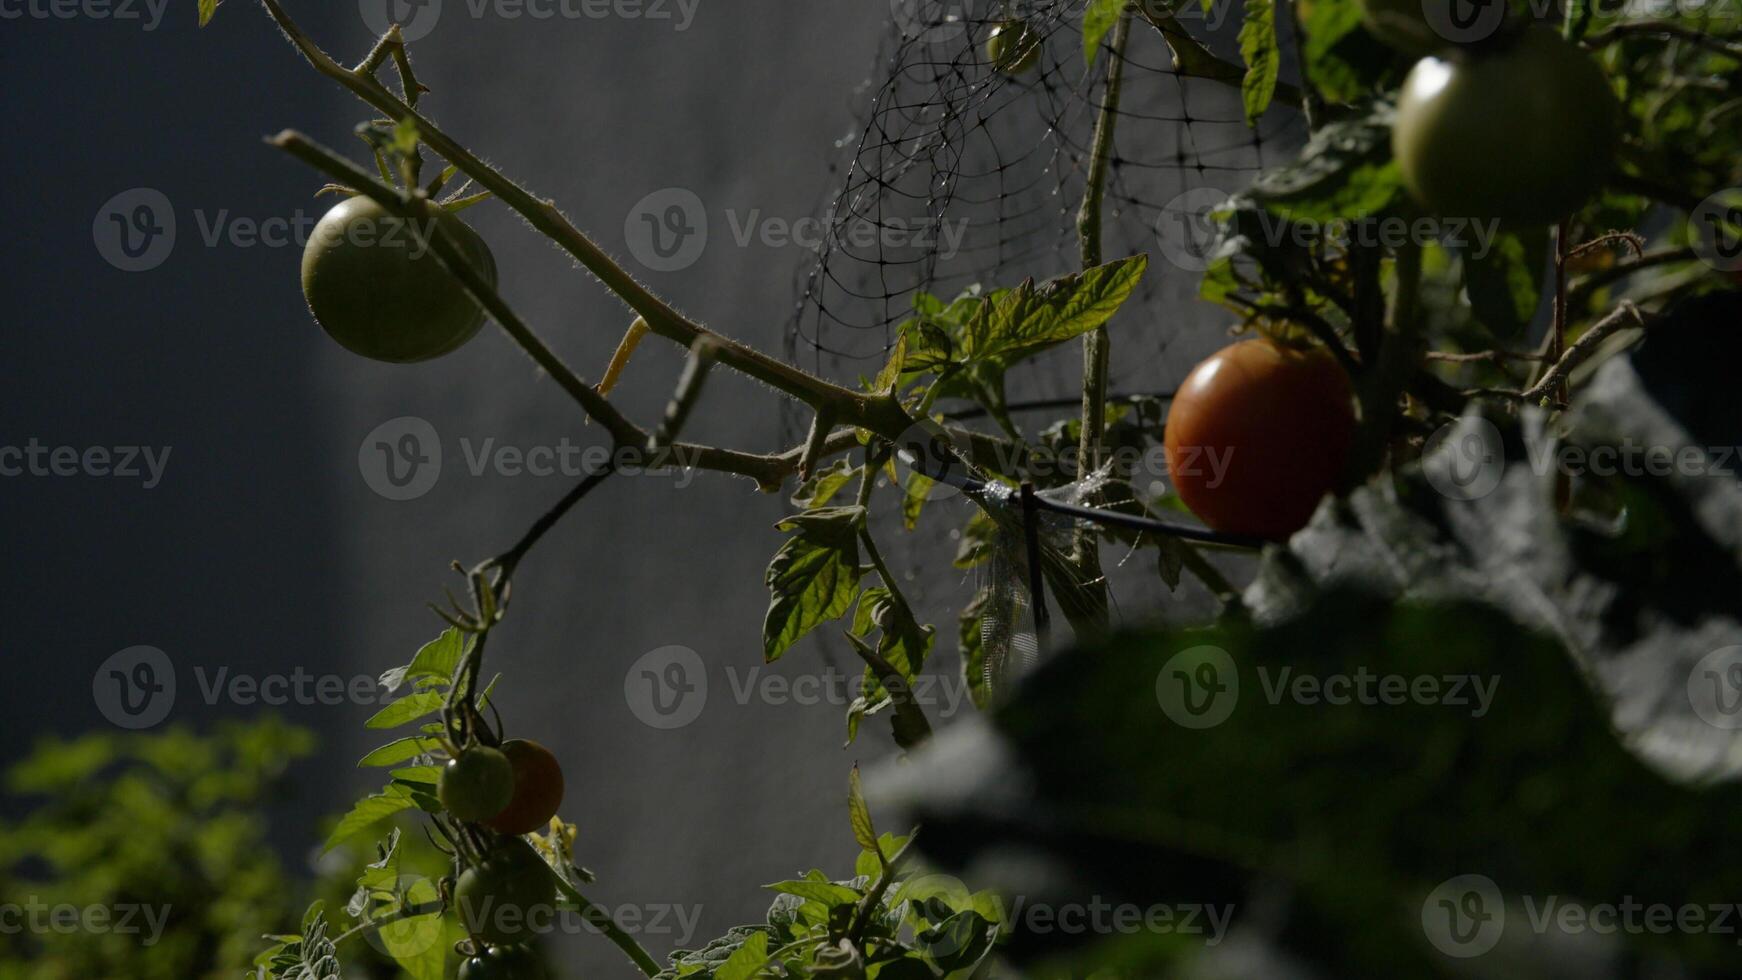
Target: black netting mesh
point(960, 174)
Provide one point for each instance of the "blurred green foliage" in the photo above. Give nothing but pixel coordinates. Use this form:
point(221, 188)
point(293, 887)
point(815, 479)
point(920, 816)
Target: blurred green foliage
point(156, 843)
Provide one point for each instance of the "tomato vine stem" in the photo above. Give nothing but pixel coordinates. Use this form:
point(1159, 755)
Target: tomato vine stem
point(882, 414)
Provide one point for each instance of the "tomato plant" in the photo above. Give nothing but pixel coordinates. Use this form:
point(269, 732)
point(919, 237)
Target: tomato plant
point(1525, 131)
point(538, 789)
point(502, 896)
point(375, 285)
point(503, 963)
point(477, 784)
point(1258, 434)
point(1391, 383)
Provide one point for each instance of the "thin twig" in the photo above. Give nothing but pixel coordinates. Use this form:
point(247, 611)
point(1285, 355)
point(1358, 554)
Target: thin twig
point(688, 393)
point(1625, 315)
point(1730, 46)
point(768, 470)
point(1096, 342)
point(880, 413)
point(1621, 270)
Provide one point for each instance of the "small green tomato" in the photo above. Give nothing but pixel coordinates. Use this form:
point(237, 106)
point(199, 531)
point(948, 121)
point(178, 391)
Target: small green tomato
point(375, 285)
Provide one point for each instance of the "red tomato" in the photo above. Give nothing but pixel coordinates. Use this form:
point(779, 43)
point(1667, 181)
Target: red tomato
point(1257, 434)
point(538, 788)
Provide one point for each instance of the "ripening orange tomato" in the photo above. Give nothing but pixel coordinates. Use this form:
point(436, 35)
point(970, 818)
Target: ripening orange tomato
point(538, 789)
point(1258, 434)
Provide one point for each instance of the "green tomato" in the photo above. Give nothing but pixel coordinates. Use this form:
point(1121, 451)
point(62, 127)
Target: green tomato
point(1013, 47)
point(375, 285)
point(503, 963)
point(477, 785)
point(505, 898)
point(1525, 133)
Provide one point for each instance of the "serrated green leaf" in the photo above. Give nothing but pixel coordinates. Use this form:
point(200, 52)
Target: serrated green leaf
point(887, 378)
point(1263, 57)
point(860, 815)
point(1099, 18)
point(408, 709)
point(813, 578)
point(368, 812)
point(1505, 284)
point(824, 484)
point(1344, 172)
point(827, 893)
point(400, 750)
point(969, 638)
point(747, 960)
point(440, 657)
point(914, 492)
point(207, 9)
point(421, 775)
point(1028, 319)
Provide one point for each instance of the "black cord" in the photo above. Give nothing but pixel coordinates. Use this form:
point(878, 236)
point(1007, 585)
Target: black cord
point(980, 488)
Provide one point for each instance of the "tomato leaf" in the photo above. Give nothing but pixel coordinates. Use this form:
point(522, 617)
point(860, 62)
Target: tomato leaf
point(746, 961)
point(368, 812)
point(1344, 172)
point(1344, 61)
point(1099, 18)
point(826, 892)
point(814, 577)
point(860, 815)
point(1263, 58)
point(400, 750)
point(408, 709)
point(1018, 323)
point(1505, 283)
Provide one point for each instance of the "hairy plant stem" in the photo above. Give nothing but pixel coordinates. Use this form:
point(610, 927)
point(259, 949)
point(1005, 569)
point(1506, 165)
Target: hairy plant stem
point(1554, 380)
point(601, 919)
point(879, 413)
point(768, 470)
point(1095, 342)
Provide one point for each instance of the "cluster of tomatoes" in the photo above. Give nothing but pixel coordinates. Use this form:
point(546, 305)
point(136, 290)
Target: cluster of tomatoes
point(512, 790)
point(1522, 130)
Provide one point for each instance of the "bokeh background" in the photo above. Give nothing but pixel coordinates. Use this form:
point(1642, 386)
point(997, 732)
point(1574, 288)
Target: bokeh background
point(265, 552)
